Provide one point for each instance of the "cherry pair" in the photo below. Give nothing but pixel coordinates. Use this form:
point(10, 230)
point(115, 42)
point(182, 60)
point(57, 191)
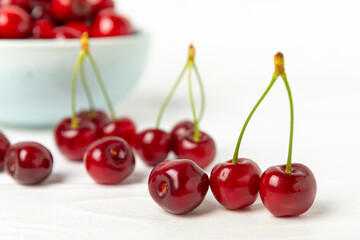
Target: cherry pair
point(185, 139)
point(73, 135)
point(27, 163)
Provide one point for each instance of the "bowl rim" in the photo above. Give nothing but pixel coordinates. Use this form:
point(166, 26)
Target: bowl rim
point(73, 42)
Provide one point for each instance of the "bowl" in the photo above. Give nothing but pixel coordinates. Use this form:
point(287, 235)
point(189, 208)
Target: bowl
point(36, 76)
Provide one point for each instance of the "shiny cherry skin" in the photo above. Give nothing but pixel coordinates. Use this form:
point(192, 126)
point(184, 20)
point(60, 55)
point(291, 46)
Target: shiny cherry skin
point(287, 194)
point(178, 186)
point(28, 163)
point(109, 160)
point(202, 152)
point(15, 22)
point(98, 117)
point(178, 131)
point(121, 127)
point(43, 28)
point(235, 185)
point(108, 23)
point(81, 26)
point(153, 146)
point(68, 10)
point(66, 32)
point(4, 145)
point(21, 3)
point(72, 142)
point(97, 5)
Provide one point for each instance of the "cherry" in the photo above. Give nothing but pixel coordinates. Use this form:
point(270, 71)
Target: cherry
point(153, 146)
point(201, 151)
point(4, 145)
point(235, 185)
point(68, 10)
point(97, 5)
point(71, 140)
point(98, 117)
point(15, 22)
point(66, 32)
point(109, 160)
point(40, 9)
point(178, 186)
point(178, 131)
point(21, 3)
point(288, 194)
point(108, 23)
point(121, 127)
point(78, 25)
point(43, 28)
point(28, 162)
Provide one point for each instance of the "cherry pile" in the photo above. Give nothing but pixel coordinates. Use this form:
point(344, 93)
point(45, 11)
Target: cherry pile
point(102, 142)
point(46, 19)
point(185, 139)
point(179, 186)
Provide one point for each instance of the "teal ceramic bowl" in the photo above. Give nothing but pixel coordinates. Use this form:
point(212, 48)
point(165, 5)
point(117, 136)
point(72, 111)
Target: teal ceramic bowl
point(35, 76)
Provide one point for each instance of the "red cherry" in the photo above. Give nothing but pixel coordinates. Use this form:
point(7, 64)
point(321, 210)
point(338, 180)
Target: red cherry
point(72, 142)
point(66, 32)
point(109, 160)
point(43, 28)
point(122, 127)
point(21, 3)
point(235, 185)
point(202, 152)
point(4, 145)
point(98, 117)
point(108, 23)
point(68, 10)
point(153, 146)
point(178, 131)
point(288, 194)
point(40, 9)
point(78, 25)
point(15, 22)
point(97, 5)
point(28, 162)
point(178, 186)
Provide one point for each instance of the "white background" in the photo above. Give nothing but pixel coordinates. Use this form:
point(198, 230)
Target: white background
point(235, 43)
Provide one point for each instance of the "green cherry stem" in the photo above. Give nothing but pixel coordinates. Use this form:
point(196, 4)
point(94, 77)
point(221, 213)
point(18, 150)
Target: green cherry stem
point(196, 129)
point(171, 93)
point(87, 90)
point(102, 85)
point(288, 163)
point(236, 153)
point(202, 92)
point(79, 60)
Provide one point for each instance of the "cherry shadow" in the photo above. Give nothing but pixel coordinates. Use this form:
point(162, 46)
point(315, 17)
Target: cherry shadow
point(134, 178)
point(54, 178)
point(205, 207)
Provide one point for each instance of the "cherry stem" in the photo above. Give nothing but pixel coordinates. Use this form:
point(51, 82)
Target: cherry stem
point(102, 86)
point(171, 93)
point(288, 164)
point(202, 92)
point(236, 153)
point(87, 90)
point(196, 129)
point(79, 60)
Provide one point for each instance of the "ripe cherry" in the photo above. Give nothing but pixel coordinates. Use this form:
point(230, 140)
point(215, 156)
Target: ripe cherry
point(153, 146)
point(66, 32)
point(43, 28)
point(80, 26)
point(21, 3)
point(178, 186)
point(40, 9)
point(288, 194)
point(15, 22)
point(108, 23)
point(178, 131)
point(4, 145)
point(235, 185)
point(68, 10)
point(201, 151)
point(121, 127)
point(28, 162)
point(109, 160)
point(72, 141)
point(98, 117)
point(97, 5)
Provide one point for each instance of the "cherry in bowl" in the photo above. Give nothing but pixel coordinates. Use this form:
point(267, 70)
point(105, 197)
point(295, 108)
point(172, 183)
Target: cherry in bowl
point(178, 186)
point(28, 163)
